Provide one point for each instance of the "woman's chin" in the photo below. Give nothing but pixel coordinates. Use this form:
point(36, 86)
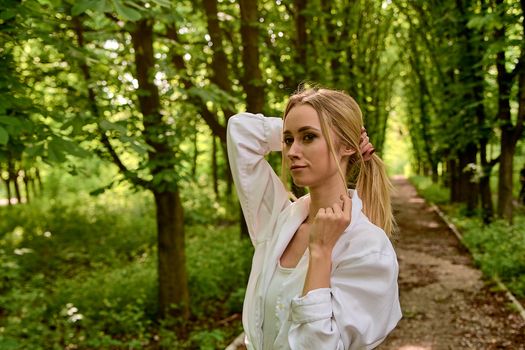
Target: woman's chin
point(299, 183)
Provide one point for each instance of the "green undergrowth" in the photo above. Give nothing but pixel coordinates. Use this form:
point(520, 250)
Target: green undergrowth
point(82, 275)
point(498, 249)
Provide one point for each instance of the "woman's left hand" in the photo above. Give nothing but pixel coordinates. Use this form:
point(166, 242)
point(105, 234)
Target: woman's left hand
point(366, 147)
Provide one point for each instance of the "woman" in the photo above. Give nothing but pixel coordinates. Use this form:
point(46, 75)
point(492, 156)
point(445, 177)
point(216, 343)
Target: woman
point(324, 273)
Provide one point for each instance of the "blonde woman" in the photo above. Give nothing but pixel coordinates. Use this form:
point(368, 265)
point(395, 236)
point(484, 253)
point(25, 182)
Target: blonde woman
point(324, 273)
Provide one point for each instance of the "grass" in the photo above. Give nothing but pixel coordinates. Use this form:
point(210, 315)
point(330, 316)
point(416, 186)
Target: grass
point(80, 273)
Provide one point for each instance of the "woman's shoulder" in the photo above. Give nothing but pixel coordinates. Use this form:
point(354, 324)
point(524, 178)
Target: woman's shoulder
point(364, 241)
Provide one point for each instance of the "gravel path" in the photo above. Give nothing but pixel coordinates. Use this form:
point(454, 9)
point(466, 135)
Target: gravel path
point(445, 302)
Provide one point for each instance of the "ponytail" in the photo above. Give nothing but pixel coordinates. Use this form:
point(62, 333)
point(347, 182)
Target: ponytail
point(374, 188)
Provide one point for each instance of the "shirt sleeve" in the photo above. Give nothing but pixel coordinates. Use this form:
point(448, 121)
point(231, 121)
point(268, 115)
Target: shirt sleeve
point(357, 312)
point(261, 193)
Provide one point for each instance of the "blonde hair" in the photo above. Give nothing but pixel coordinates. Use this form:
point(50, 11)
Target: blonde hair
point(340, 113)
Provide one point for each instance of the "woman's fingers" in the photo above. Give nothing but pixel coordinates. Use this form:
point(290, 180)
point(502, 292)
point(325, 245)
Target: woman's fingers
point(366, 147)
point(330, 223)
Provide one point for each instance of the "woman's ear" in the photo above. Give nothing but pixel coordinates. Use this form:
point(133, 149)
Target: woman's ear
point(347, 151)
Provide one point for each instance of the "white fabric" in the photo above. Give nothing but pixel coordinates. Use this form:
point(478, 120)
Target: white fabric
point(362, 305)
point(276, 301)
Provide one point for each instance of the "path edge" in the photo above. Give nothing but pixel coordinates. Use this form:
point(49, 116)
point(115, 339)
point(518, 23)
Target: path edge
point(494, 278)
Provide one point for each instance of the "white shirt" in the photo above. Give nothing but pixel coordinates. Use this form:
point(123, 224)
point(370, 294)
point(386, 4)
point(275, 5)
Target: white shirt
point(362, 305)
point(277, 300)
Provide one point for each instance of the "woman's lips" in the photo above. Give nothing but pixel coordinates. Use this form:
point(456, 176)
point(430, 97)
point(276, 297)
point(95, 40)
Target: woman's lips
point(297, 167)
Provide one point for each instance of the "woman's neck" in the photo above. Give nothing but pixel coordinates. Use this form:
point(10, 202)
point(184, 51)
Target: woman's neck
point(325, 196)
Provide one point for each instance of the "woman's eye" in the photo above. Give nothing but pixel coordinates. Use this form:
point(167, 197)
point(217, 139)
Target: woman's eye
point(288, 140)
point(309, 137)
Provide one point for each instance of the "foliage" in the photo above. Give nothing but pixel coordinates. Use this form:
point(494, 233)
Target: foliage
point(499, 249)
point(429, 190)
point(81, 272)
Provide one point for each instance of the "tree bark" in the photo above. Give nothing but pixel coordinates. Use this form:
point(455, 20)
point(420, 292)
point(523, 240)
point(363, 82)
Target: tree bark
point(252, 78)
point(508, 148)
point(172, 275)
point(504, 80)
point(173, 282)
point(455, 186)
point(219, 64)
point(13, 178)
point(301, 41)
point(25, 181)
point(195, 152)
point(8, 189)
point(214, 170)
point(39, 180)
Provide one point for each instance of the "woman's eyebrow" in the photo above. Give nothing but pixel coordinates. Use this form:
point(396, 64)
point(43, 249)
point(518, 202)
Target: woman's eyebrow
point(303, 128)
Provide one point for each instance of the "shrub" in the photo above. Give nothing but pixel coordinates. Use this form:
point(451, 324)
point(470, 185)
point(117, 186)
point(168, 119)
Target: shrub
point(84, 276)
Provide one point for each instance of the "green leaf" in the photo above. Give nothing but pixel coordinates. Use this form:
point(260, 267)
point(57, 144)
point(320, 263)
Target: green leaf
point(55, 152)
point(102, 189)
point(82, 6)
point(126, 12)
point(59, 147)
point(4, 136)
point(12, 121)
point(162, 3)
point(35, 150)
point(7, 14)
point(107, 125)
point(136, 145)
point(102, 6)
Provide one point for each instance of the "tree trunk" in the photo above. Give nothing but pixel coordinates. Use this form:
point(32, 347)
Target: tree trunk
point(173, 282)
point(471, 195)
point(487, 207)
point(195, 153)
point(455, 186)
point(8, 190)
point(219, 64)
point(13, 178)
point(173, 295)
point(39, 180)
point(32, 183)
point(214, 169)
point(505, 176)
point(510, 134)
point(301, 41)
point(252, 79)
point(26, 187)
point(466, 190)
point(334, 50)
point(434, 172)
point(486, 197)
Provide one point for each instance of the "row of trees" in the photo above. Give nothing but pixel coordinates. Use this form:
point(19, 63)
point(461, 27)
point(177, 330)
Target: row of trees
point(132, 81)
point(465, 93)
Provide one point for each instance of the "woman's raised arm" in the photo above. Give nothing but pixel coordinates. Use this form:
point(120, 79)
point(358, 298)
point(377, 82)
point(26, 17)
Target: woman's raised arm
point(261, 193)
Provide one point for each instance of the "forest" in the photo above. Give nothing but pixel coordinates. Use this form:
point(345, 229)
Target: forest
point(120, 226)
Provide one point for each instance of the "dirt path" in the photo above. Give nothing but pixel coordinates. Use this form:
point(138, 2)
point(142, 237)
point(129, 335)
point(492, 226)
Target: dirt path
point(446, 304)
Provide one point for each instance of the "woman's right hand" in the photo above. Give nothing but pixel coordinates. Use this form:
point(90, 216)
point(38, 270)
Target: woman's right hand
point(328, 225)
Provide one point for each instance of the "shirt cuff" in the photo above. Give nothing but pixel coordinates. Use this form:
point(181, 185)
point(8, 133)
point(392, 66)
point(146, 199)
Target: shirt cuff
point(314, 306)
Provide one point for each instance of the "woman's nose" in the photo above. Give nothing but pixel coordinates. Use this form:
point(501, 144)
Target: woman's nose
point(293, 151)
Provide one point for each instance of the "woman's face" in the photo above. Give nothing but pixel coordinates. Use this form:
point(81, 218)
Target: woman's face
point(306, 149)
